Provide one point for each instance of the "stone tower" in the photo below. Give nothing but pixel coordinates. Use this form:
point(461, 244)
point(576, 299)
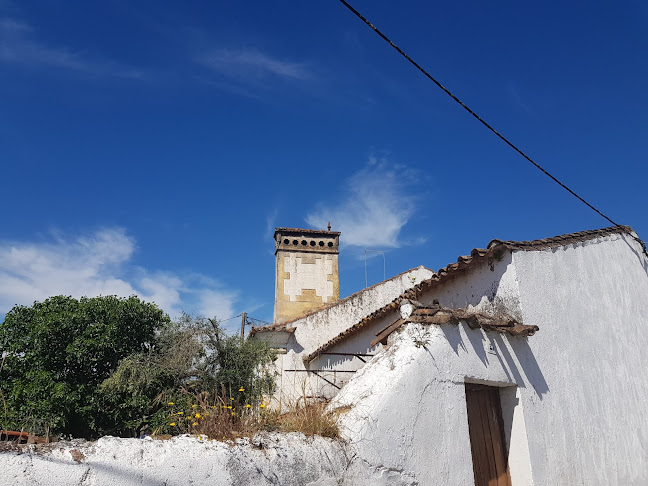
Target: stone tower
point(307, 276)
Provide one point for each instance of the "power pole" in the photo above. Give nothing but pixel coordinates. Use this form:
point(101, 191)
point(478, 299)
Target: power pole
point(243, 316)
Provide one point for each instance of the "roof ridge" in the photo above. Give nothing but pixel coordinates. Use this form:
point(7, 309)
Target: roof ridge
point(561, 240)
point(463, 262)
point(279, 326)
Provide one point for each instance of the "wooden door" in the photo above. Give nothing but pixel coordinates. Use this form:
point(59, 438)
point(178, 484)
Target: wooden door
point(487, 443)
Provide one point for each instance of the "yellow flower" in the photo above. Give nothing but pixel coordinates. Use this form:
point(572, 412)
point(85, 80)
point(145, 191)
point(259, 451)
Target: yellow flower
point(233, 413)
point(180, 413)
point(206, 413)
point(229, 406)
point(241, 389)
point(171, 403)
point(194, 406)
point(172, 424)
point(248, 406)
point(231, 398)
point(262, 405)
point(197, 415)
point(195, 423)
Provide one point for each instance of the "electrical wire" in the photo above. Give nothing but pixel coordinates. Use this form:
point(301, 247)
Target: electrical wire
point(258, 320)
point(482, 121)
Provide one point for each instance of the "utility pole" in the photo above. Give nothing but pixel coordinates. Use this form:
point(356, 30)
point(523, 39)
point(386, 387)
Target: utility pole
point(243, 317)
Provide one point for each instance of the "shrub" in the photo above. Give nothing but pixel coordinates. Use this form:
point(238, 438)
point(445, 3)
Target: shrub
point(57, 353)
point(194, 365)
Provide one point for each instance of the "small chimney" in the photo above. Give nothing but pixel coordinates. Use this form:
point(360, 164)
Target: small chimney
point(307, 275)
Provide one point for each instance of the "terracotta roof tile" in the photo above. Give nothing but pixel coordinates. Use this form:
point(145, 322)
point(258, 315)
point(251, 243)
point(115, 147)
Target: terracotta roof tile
point(467, 261)
point(283, 327)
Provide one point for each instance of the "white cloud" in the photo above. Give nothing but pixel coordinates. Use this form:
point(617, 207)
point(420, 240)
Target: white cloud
point(376, 204)
point(216, 303)
point(99, 264)
point(18, 46)
point(250, 64)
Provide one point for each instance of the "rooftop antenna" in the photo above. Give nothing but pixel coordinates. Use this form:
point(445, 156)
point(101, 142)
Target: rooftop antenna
point(384, 264)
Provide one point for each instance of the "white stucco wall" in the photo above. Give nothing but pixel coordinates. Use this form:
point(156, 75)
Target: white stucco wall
point(591, 303)
point(269, 460)
point(573, 395)
point(488, 287)
point(316, 329)
point(274, 459)
point(408, 405)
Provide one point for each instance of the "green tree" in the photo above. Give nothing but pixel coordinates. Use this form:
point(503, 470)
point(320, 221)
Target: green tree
point(58, 352)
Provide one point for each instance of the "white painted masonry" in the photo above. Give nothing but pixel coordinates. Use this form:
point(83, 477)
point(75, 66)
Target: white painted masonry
point(573, 395)
point(317, 328)
point(273, 459)
point(266, 460)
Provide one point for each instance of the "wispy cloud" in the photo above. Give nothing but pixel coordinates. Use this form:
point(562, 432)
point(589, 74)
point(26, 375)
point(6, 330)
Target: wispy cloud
point(18, 45)
point(377, 202)
point(251, 64)
point(100, 264)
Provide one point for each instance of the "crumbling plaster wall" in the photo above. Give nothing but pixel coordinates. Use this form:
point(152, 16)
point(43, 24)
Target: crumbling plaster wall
point(269, 459)
point(406, 409)
point(407, 406)
point(489, 286)
point(274, 459)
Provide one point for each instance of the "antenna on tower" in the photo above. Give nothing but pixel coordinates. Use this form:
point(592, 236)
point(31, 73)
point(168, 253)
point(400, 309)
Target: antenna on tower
point(329, 226)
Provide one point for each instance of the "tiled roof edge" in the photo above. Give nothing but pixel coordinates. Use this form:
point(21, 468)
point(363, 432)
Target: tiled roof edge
point(463, 262)
point(279, 326)
point(561, 240)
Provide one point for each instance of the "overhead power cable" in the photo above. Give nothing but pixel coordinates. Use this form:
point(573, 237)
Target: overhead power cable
point(481, 120)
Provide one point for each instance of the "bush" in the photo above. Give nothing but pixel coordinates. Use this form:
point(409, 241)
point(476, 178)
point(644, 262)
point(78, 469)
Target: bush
point(194, 365)
point(58, 352)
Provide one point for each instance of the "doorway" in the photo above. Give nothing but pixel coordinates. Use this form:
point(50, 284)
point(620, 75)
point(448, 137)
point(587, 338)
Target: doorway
point(487, 443)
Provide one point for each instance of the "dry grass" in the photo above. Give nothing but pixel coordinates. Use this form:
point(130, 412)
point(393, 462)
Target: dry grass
point(312, 419)
point(229, 420)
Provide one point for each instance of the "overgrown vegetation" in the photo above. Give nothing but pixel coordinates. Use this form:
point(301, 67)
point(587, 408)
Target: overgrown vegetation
point(58, 352)
point(109, 365)
point(194, 363)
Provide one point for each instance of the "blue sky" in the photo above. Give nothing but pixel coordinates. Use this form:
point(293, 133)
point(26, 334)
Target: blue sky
point(151, 147)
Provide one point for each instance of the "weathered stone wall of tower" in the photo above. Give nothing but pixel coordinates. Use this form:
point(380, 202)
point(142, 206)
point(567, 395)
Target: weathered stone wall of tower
point(307, 275)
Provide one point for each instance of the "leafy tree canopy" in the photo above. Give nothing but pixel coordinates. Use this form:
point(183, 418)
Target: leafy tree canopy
point(58, 352)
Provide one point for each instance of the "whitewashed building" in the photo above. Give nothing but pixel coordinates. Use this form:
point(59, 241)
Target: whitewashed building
point(522, 363)
point(309, 313)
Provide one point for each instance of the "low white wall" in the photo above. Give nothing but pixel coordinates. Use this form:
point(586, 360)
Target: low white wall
point(271, 459)
point(276, 459)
